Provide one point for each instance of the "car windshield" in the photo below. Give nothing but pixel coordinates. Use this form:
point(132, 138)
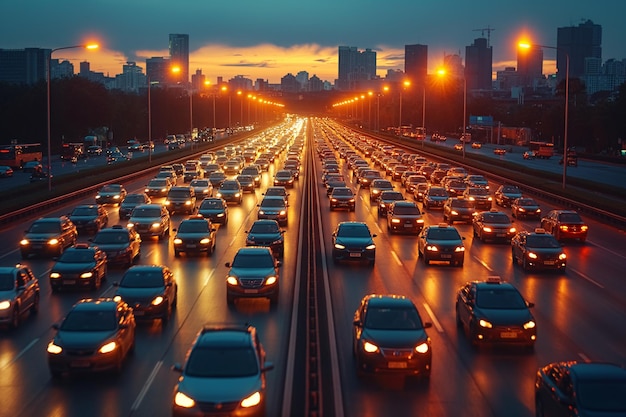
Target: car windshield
point(437, 192)
point(406, 209)
point(382, 184)
point(199, 183)
point(570, 218)
point(391, 196)
point(193, 226)
point(157, 183)
point(526, 202)
point(264, 228)
point(342, 191)
point(110, 189)
point(542, 241)
point(45, 227)
point(496, 218)
point(602, 395)
point(249, 260)
point(478, 191)
point(285, 174)
point(111, 237)
point(134, 198)
point(85, 211)
point(393, 319)
point(217, 175)
point(142, 279)
point(211, 204)
point(500, 299)
point(443, 234)
point(7, 281)
point(230, 185)
point(275, 191)
point(218, 362)
point(146, 212)
point(89, 321)
point(273, 202)
point(353, 231)
point(179, 194)
point(76, 256)
point(511, 190)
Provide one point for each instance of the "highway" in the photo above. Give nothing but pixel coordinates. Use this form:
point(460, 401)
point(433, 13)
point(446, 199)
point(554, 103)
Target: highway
point(580, 315)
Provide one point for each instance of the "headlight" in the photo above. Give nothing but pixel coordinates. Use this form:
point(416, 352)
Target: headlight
point(422, 348)
point(220, 215)
point(107, 348)
point(459, 249)
point(218, 195)
point(562, 257)
point(157, 300)
point(370, 347)
point(261, 212)
point(283, 212)
point(53, 241)
point(86, 275)
point(485, 323)
point(487, 229)
point(395, 221)
point(184, 401)
point(232, 280)
point(55, 275)
point(370, 247)
point(205, 241)
point(529, 325)
point(252, 400)
point(490, 199)
point(454, 213)
point(167, 202)
point(130, 225)
point(5, 304)
point(339, 246)
point(187, 203)
point(54, 349)
point(156, 225)
point(116, 197)
point(532, 255)
point(178, 241)
point(24, 242)
point(512, 230)
point(432, 248)
point(237, 194)
point(271, 280)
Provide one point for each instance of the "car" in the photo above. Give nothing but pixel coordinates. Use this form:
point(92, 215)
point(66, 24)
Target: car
point(494, 312)
point(412, 182)
point(386, 198)
point(168, 171)
point(342, 197)
point(476, 180)
point(181, 199)
point(499, 151)
point(275, 208)
point(580, 389)
point(506, 194)
point(284, 178)
point(195, 235)
point(179, 169)
point(367, 177)
point(537, 250)
point(230, 191)
point(255, 172)
point(247, 182)
point(353, 241)
point(232, 167)
point(458, 146)
point(216, 178)
point(420, 190)
point(224, 370)
point(214, 209)
point(122, 245)
point(493, 225)
point(89, 218)
point(441, 242)
point(158, 187)
point(525, 207)
point(267, 232)
point(130, 202)
point(332, 183)
point(455, 187)
point(79, 266)
point(48, 236)
point(480, 196)
point(32, 166)
point(565, 224)
point(477, 145)
point(95, 336)
point(19, 293)
point(111, 194)
point(389, 337)
point(404, 217)
point(253, 273)
point(94, 150)
point(378, 186)
point(151, 291)
point(277, 190)
point(191, 172)
point(202, 187)
point(434, 197)
point(150, 220)
point(6, 171)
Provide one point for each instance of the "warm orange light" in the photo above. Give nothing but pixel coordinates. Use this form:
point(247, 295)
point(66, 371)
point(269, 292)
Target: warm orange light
point(207, 82)
point(92, 46)
point(224, 88)
point(407, 83)
point(369, 93)
point(524, 45)
point(176, 70)
point(385, 88)
point(441, 72)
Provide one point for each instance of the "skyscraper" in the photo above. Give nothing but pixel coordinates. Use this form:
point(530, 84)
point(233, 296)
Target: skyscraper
point(579, 42)
point(478, 65)
point(529, 65)
point(355, 66)
point(179, 55)
point(416, 62)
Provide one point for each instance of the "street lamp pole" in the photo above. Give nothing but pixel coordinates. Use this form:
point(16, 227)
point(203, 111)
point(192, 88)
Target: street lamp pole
point(424, 113)
point(86, 46)
point(149, 121)
point(464, 113)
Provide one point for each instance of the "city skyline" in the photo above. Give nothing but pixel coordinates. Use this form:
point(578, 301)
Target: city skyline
point(226, 40)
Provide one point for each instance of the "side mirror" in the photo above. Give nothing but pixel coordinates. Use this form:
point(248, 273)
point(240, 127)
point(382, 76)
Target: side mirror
point(227, 264)
point(177, 367)
point(428, 325)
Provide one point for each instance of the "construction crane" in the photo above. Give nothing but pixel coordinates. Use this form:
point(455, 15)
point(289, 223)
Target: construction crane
point(488, 29)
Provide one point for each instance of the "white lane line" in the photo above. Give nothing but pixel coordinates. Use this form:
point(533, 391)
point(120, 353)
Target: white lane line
point(19, 355)
point(395, 255)
point(433, 318)
point(584, 357)
point(208, 277)
point(596, 283)
point(146, 386)
point(483, 263)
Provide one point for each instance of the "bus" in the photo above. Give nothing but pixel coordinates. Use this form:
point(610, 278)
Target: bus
point(541, 150)
point(15, 155)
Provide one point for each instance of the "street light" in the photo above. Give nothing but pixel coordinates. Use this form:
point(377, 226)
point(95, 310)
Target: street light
point(405, 84)
point(385, 89)
point(86, 46)
point(177, 70)
point(525, 45)
point(240, 94)
point(369, 110)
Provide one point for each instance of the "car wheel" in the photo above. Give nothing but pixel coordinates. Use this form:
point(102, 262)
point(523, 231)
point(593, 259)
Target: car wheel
point(15, 318)
point(168, 312)
point(274, 300)
point(230, 300)
point(525, 265)
point(426, 260)
point(176, 254)
point(539, 411)
point(459, 323)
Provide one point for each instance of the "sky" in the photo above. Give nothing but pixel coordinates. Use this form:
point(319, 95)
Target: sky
point(270, 38)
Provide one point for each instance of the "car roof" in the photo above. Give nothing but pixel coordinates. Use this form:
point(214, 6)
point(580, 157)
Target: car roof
point(225, 336)
point(98, 304)
point(593, 370)
point(388, 300)
point(254, 250)
point(146, 268)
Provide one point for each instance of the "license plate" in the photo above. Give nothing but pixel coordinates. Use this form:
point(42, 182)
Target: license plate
point(69, 282)
point(251, 291)
point(191, 246)
point(549, 262)
point(397, 365)
point(37, 246)
point(508, 335)
point(80, 364)
point(446, 256)
point(408, 225)
point(500, 234)
point(355, 254)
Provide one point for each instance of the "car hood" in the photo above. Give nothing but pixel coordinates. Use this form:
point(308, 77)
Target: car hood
point(111, 247)
point(144, 220)
point(135, 294)
point(210, 211)
point(219, 390)
point(82, 339)
point(72, 267)
point(436, 197)
point(7, 295)
point(354, 241)
point(76, 219)
point(395, 338)
point(444, 242)
point(40, 236)
point(251, 272)
point(501, 317)
point(192, 235)
point(546, 251)
point(264, 237)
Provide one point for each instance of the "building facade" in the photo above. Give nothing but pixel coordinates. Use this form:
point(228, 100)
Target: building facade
point(355, 67)
point(179, 55)
point(579, 42)
point(478, 65)
point(416, 63)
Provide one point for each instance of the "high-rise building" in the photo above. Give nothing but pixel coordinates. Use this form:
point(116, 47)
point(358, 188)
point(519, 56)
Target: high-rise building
point(529, 66)
point(23, 66)
point(416, 63)
point(478, 65)
point(179, 55)
point(579, 42)
point(157, 70)
point(355, 67)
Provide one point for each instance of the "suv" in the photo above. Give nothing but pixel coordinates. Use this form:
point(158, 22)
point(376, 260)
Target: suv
point(181, 199)
point(19, 292)
point(150, 220)
point(48, 235)
point(224, 371)
point(253, 273)
point(121, 245)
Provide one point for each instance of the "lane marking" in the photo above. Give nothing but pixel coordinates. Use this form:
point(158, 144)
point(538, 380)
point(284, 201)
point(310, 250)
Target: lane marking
point(20, 354)
point(433, 318)
point(395, 255)
point(483, 263)
point(146, 386)
point(208, 277)
point(587, 278)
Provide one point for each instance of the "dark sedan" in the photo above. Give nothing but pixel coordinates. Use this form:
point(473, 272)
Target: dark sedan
point(150, 290)
point(194, 235)
point(253, 273)
point(389, 337)
point(111, 194)
point(214, 209)
point(565, 224)
point(230, 191)
point(493, 225)
point(158, 187)
point(89, 218)
point(79, 266)
point(506, 194)
point(525, 207)
point(122, 245)
point(441, 242)
point(353, 241)
point(130, 202)
point(537, 250)
point(267, 233)
point(284, 178)
point(342, 197)
point(404, 217)
point(386, 199)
